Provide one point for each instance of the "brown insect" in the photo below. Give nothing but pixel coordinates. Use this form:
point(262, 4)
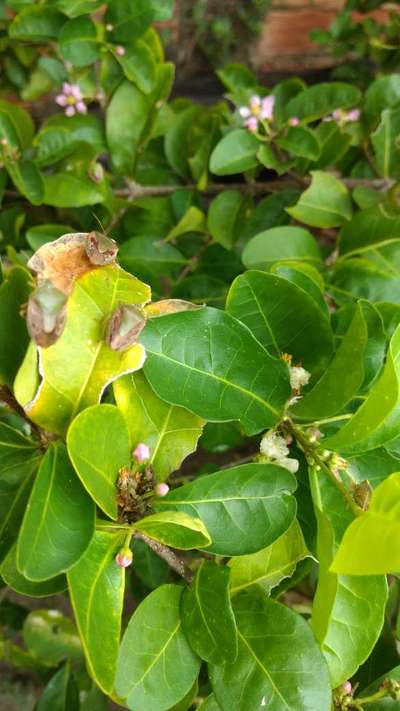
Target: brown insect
point(362, 493)
point(124, 327)
point(100, 249)
point(46, 314)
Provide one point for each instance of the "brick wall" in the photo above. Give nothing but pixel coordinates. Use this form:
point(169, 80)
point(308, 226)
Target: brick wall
point(285, 43)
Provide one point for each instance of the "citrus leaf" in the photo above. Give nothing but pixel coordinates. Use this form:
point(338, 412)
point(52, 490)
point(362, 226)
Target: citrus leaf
point(58, 522)
point(96, 462)
point(175, 529)
point(207, 617)
point(96, 586)
point(156, 666)
point(65, 391)
point(170, 432)
point(244, 508)
point(228, 375)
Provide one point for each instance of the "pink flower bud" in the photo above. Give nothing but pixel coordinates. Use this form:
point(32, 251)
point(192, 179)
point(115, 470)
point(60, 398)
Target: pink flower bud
point(353, 115)
point(120, 51)
point(141, 452)
point(294, 121)
point(347, 688)
point(252, 124)
point(161, 489)
point(124, 558)
point(267, 107)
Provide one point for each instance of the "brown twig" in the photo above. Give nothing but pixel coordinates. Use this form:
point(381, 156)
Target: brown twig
point(135, 191)
point(7, 396)
point(175, 563)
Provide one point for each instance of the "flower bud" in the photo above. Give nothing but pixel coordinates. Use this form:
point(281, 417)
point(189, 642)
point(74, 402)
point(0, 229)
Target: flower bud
point(100, 249)
point(124, 558)
point(141, 452)
point(347, 688)
point(124, 327)
point(120, 51)
point(46, 314)
point(161, 489)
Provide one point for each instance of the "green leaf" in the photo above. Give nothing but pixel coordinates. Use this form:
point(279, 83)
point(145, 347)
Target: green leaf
point(375, 466)
point(280, 244)
point(300, 141)
point(278, 664)
point(17, 582)
point(151, 259)
point(74, 8)
point(244, 509)
point(51, 637)
point(170, 432)
point(19, 460)
point(210, 704)
point(38, 235)
point(27, 179)
point(260, 301)
point(193, 220)
point(384, 141)
point(151, 570)
point(60, 693)
point(59, 520)
point(177, 140)
point(78, 42)
point(14, 339)
point(225, 216)
point(65, 190)
point(129, 20)
point(371, 544)
point(321, 99)
point(96, 586)
point(96, 463)
point(156, 666)
point(18, 122)
point(193, 347)
point(376, 421)
point(269, 566)
point(326, 203)
point(175, 529)
point(343, 377)
point(60, 135)
point(348, 612)
point(368, 229)
point(139, 66)
point(381, 94)
point(207, 617)
point(235, 153)
point(127, 115)
point(91, 363)
point(37, 24)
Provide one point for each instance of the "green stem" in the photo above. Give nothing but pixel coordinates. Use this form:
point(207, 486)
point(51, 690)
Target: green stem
point(337, 418)
point(311, 453)
point(380, 694)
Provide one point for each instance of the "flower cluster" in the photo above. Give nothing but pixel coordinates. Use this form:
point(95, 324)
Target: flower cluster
point(275, 449)
point(342, 117)
point(259, 109)
point(298, 377)
point(71, 99)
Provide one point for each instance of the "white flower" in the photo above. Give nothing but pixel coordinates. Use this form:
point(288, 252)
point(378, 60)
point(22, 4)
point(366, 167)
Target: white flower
point(292, 465)
point(298, 377)
point(273, 446)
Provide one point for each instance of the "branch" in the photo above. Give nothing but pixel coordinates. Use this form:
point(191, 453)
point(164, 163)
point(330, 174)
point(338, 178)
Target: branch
point(175, 563)
point(7, 396)
point(135, 191)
